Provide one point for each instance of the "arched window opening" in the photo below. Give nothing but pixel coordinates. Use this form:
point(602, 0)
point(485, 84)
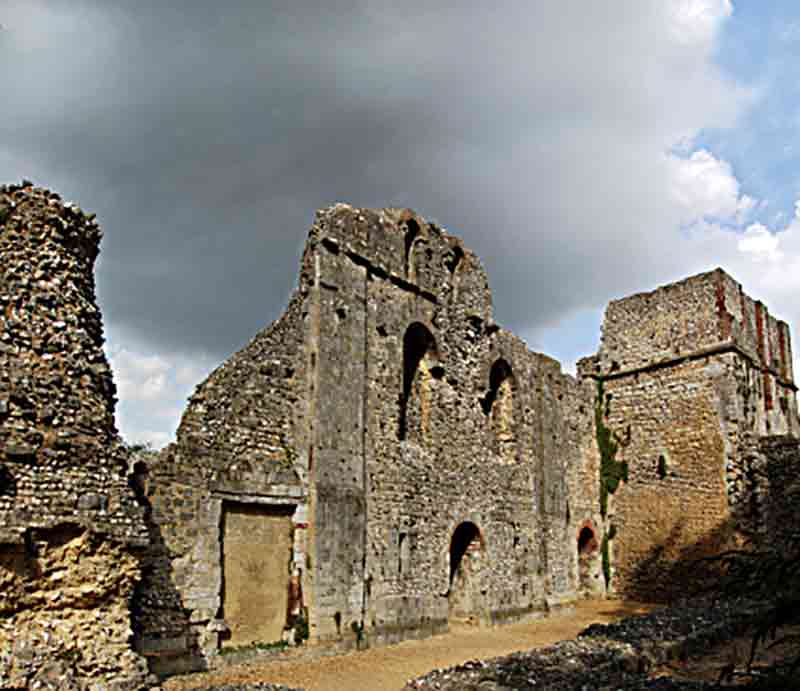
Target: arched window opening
point(412, 233)
point(420, 361)
point(453, 258)
point(498, 405)
point(402, 554)
point(498, 376)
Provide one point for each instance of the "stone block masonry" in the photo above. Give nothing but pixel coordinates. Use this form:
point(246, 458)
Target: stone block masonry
point(71, 531)
point(686, 375)
point(432, 466)
point(380, 462)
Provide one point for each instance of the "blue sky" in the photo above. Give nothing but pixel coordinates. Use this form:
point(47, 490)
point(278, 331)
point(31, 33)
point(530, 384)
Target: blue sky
point(760, 47)
point(585, 151)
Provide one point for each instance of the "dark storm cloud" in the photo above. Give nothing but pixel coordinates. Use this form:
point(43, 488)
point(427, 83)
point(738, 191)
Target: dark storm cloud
point(206, 134)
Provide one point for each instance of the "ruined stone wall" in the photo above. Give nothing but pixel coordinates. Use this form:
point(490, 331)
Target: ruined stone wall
point(380, 461)
point(770, 492)
point(70, 527)
point(586, 521)
point(660, 326)
point(685, 372)
point(450, 450)
point(240, 444)
point(673, 507)
point(401, 412)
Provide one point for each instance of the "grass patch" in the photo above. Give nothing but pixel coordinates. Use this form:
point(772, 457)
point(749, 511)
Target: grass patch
point(256, 646)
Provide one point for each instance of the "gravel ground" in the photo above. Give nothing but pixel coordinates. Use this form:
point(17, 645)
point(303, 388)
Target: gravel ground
point(700, 623)
point(616, 656)
point(388, 668)
point(606, 653)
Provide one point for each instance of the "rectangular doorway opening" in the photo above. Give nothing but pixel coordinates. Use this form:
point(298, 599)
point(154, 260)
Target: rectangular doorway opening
point(256, 560)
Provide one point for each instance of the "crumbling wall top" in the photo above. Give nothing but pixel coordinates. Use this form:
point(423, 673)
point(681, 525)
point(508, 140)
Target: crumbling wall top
point(400, 246)
point(700, 315)
point(60, 455)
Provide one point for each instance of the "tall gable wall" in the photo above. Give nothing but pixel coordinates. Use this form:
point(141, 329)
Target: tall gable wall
point(390, 454)
point(455, 463)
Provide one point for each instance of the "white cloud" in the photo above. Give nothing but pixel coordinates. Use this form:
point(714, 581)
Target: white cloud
point(139, 377)
point(191, 373)
point(152, 389)
point(765, 261)
point(697, 21)
point(155, 438)
point(704, 186)
point(758, 242)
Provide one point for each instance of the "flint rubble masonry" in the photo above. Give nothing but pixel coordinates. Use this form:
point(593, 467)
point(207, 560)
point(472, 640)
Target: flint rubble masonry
point(387, 409)
point(71, 532)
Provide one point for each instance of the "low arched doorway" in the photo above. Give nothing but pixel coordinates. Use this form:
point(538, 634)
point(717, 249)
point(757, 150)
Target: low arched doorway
point(464, 594)
point(589, 561)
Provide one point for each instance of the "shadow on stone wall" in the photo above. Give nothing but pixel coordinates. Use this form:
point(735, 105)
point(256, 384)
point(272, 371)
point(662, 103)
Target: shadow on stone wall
point(764, 528)
point(162, 626)
point(673, 569)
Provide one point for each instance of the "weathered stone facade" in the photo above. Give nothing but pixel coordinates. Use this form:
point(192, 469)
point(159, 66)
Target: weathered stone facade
point(433, 466)
point(769, 492)
point(382, 460)
point(436, 469)
point(70, 527)
point(686, 374)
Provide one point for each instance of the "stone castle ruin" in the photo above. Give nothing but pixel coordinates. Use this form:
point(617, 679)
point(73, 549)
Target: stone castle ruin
point(381, 461)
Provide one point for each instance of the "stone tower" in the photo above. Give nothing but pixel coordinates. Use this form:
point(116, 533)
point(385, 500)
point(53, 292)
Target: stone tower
point(70, 526)
point(686, 375)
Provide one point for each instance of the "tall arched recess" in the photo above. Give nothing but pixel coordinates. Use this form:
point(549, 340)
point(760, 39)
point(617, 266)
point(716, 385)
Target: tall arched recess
point(420, 359)
point(464, 593)
point(498, 405)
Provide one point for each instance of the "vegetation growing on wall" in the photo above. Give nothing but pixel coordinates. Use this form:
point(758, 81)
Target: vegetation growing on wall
point(611, 470)
point(301, 627)
point(612, 531)
point(662, 467)
point(358, 629)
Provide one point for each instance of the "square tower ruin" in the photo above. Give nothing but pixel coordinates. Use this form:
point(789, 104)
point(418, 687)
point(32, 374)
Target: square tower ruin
point(686, 376)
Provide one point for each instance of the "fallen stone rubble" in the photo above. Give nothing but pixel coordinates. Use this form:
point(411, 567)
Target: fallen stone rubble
point(613, 656)
point(683, 630)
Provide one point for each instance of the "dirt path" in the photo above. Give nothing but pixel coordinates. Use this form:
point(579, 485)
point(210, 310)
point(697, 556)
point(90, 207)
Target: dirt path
point(388, 668)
